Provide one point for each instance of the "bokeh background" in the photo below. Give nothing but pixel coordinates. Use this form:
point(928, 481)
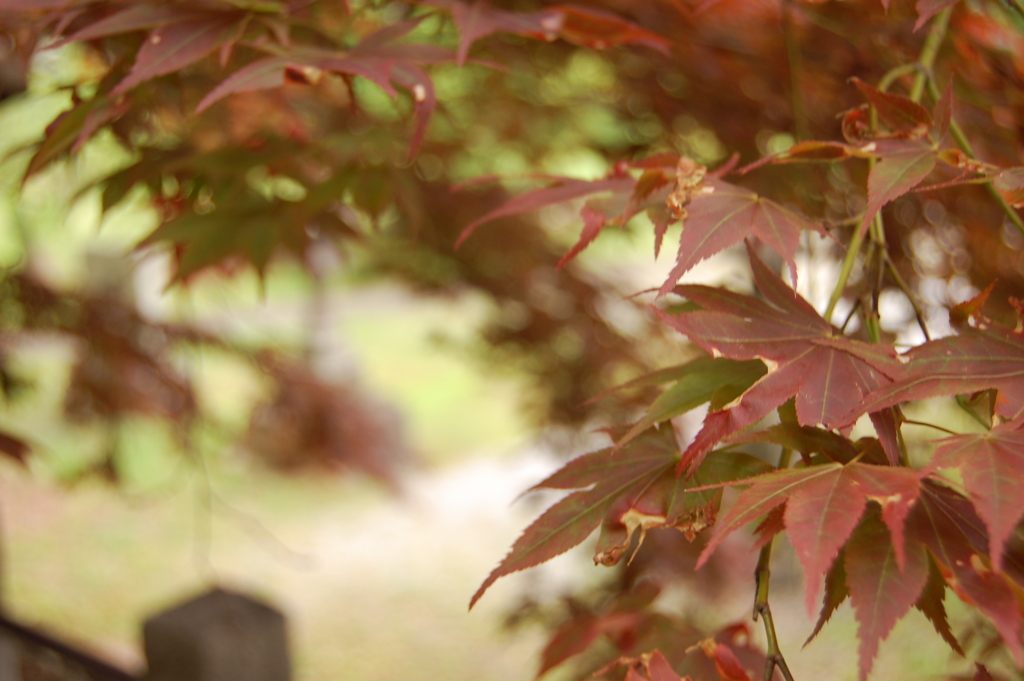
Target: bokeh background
point(105, 526)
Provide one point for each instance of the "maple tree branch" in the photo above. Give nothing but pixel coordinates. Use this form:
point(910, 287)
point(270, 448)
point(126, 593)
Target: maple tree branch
point(800, 126)
point(762, 576)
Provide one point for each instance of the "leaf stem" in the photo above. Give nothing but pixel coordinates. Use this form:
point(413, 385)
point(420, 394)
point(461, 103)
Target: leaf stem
point(844, 273)
point(785, 458)
point(761, 608)
point(800, 125)
point(928, 53)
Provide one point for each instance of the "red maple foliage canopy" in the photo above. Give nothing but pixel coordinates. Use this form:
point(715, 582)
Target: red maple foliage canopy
point(875, 147)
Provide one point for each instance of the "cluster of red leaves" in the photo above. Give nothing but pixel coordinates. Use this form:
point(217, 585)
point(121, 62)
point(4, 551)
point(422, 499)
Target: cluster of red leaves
point(917, 534)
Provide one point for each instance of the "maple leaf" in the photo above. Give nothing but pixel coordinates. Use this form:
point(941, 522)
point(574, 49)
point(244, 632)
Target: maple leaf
point(249, 226)
point(929, 602)
point(376, 58)
point(172, 47)
point(810, 440)
point(726, 215)
point(881, 590)
point(836, 593)
point(652, 666)
point(578, 25)
point(809, 151)
point(900, 113)
point(579, 633)
point(806, 357)
point(562, 189)
point(135, 18)
point(71, 129)
point(727, 664)
point(823, 505)
point(902, 165)
point(698, 382)
point(926, 9)
point(946, 523)
point(991, 465)
point(716, 214)
point(977, 359)
point(627, 489)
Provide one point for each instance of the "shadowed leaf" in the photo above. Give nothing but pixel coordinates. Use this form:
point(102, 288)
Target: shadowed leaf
point(901, 167)
point(991, 465)
point(947, 524)
point(836, 592)
point(931, 604)
point(881, 591)
point(900, 113)
point(172, 47)
point(704, 378)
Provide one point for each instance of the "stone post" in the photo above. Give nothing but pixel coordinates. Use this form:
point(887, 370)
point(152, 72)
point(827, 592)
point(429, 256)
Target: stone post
point(219, 636)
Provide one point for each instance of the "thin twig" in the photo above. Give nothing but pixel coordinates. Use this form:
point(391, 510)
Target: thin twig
point(853, 310)
point(800, 126)
point(929, 425)
point(761, 608)
point(906, 291)
point(930, 50)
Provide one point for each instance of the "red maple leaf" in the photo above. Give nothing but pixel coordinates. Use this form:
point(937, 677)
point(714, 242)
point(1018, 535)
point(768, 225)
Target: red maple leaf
point(578, 25)
point(623, 490)
point(946, 523)
point(806, 356)
point(725, 216)
point(882, 589)
point(991, 465)
point(823, 505)
point(977, 359)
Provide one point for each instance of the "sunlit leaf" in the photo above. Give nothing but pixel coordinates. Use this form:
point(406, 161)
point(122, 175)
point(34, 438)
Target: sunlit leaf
point(631, 489)
point(807, 357)
point(975, 360)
